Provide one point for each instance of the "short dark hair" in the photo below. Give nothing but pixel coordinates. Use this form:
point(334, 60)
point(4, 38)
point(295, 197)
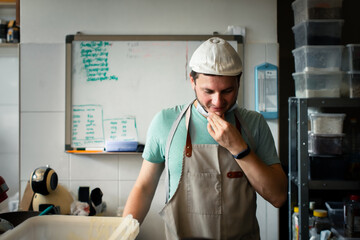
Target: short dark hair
point(195, 75)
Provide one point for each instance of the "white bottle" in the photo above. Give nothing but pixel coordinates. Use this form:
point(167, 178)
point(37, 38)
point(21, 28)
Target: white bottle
point(295, 224)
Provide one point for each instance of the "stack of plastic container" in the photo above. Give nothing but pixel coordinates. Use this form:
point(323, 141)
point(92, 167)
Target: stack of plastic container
point(319, 66)
point(326, 146)
point(318, 53)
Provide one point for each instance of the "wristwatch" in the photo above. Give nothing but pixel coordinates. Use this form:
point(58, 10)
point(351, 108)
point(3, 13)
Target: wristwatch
point(243, 153)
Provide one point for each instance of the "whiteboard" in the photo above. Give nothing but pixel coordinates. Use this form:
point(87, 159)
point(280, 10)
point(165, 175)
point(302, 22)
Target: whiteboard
point(118, 83)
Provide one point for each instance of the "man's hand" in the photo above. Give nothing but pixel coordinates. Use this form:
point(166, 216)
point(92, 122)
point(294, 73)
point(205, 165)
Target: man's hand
point(225, 134)
point(269, 181)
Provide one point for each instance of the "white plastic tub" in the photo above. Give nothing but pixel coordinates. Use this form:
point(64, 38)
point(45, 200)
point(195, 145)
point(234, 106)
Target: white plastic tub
point(324, 58)
point(316, 9)
point(65, 227)
point(318, 84)
point(326, 144)
point(327, 123)
point(318, 32)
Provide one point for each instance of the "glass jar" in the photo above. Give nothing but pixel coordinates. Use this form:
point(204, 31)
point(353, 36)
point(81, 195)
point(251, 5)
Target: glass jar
point(321, 220)
point(352, 217)
point(312, 205)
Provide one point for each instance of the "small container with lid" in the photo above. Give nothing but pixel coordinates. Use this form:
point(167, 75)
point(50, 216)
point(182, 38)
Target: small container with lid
point(316, 9)
point(326, 144)
point(315, 58)
point(318, 32)
point(321, 220)
point(352, 217)
point(312, 84)
point(327, 123)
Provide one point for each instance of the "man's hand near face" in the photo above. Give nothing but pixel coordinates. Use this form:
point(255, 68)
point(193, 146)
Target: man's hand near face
point(225, 134)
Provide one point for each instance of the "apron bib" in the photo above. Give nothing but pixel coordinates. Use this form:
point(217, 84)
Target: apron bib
point(214, 199)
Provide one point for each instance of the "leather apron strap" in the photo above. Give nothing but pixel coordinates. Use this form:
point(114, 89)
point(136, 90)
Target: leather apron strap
point(167, 148)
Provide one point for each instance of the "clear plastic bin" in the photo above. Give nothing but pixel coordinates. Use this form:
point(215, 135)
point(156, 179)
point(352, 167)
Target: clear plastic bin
point(316, 9)
point(62, 227)
point(351, 57)
point(339, 234)
point(336, 213)
point(318, 32)
point(351, 85)
point(318, 84)
point(327, 123)
point(313, 58)
point(121, 146)
point(326, 144)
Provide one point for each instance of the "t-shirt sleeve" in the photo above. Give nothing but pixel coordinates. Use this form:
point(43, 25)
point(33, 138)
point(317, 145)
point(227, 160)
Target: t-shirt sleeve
point(154, 146)
point(265, 148)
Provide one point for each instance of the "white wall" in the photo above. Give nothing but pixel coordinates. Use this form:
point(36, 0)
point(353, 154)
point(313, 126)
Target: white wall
point(9, 112)
point(9, 120)
point(44, 25)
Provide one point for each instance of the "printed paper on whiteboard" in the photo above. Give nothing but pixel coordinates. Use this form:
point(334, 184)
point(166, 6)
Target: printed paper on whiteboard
point(121, 129)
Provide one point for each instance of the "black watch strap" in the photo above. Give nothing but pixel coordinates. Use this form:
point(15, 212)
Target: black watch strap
point(243, 153)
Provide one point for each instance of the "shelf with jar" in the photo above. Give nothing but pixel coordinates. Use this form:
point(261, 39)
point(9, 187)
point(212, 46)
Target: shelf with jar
point(322, 169)
point(9, 23)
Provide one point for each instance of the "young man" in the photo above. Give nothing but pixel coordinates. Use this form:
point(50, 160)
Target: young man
point(216, 156)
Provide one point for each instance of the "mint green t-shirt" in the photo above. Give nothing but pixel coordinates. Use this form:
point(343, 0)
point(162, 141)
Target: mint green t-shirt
point(161, 124)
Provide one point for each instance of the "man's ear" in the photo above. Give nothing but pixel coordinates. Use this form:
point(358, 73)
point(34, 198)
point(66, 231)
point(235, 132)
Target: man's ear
point(239, 78)
point(193, 83)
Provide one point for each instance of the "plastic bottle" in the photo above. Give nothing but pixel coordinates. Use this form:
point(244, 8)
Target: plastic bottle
point(311, 214)
point(321, 220)
point(295, 220)
point(352, 217)
point(295, 224)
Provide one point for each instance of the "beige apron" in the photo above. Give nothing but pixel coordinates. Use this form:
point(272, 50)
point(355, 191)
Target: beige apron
point(214, 199)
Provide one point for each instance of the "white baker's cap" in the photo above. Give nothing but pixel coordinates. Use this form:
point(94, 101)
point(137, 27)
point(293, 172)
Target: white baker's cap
point(216, 56)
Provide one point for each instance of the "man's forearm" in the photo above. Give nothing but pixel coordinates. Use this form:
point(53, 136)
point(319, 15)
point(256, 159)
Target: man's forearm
point(138, 204)
point(140, 198)
point(269, 181)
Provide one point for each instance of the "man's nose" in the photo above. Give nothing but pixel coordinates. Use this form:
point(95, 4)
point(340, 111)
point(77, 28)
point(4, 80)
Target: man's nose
point(217, 99)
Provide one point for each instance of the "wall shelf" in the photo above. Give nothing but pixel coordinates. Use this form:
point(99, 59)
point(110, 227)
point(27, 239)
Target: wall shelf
point(9, 45)
point(103, 153)
point(329, 184)
point(7, 4)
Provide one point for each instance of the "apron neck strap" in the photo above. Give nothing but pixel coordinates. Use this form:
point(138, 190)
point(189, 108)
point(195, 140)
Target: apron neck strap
point(167, 147)
point(188, 146)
